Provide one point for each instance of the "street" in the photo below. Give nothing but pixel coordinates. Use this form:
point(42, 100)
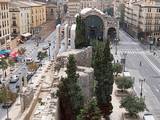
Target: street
point(149, 70)
point(31, 52)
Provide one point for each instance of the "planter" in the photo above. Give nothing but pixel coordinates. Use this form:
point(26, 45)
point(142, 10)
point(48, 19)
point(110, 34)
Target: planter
point(119, 93)
point(126, 116)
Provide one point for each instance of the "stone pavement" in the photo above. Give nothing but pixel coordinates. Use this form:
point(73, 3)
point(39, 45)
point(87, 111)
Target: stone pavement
point(117, 111)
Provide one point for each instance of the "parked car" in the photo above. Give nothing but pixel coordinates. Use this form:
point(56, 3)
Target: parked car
point(14, 79)
point(45, 47)
point(2, 80)
point(148, 116)
point(28, 60)
point(7, 104)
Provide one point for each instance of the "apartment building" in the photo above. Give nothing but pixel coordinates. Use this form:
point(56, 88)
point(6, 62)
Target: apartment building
point(99, 4)
point(4, 24)
point(38, 14)
point(142, 20)
point(20, 18)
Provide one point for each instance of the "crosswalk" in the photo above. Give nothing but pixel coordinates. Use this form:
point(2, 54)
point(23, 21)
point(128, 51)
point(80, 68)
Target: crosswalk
point(130, 51)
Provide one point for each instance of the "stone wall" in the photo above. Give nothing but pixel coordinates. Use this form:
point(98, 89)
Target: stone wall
point(84, 69)
point(83, 56)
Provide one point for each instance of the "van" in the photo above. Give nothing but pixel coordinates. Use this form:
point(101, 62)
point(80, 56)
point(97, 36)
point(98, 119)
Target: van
point(148, 116)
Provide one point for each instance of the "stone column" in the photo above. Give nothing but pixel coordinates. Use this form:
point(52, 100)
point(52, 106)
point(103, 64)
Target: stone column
point(66, 37)
point(73, 36)
point(58, 40)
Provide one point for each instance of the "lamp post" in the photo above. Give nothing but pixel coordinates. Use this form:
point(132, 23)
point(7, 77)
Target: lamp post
point(49, 44)
point(116, 42)
point(141, 82)
point(124, 61)
point(150, 42)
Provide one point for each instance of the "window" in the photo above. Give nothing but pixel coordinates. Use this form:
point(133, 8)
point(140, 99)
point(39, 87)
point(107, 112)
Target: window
point(149, 9)
point(14, 23)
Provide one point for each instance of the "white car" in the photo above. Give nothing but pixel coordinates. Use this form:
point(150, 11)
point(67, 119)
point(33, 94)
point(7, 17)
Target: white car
point(2, 80)
point(148, 116)
point(14, 79)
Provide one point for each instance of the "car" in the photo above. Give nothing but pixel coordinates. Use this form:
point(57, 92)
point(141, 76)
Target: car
point(45, 47)
point(148, 116)
point(14, 79)
point(28, 60)
point(2, 80)
point(7, 104)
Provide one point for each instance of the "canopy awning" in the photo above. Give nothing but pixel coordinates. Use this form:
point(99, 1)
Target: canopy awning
point(2, 52)
point(26, 34)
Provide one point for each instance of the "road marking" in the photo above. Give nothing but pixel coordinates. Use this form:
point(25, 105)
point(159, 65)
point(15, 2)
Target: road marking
point(157, 89)
point(152, 65)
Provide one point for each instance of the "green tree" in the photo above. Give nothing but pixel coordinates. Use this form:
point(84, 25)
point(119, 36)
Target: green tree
point(3, 66)
point(117, 68)
point(41, 55)
point(124, 83)
point(133, 104)
point(69, 93)
point(90, 111)
point(80, 40)
point(103, 72)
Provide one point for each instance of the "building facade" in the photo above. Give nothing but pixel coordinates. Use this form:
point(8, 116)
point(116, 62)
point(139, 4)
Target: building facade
point(51, 11)
point(20, 18)
point(38, 14)
point(4, 24)
point(142, 20)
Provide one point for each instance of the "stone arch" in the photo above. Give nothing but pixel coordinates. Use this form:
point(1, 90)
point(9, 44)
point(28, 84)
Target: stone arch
point(108, 21)
point(94, 27)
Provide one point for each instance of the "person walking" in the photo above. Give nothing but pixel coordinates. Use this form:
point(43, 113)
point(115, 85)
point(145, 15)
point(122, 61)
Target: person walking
point(140, 63)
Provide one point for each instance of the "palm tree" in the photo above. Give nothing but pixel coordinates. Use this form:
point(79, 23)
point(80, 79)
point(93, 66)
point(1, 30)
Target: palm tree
point(3, 66)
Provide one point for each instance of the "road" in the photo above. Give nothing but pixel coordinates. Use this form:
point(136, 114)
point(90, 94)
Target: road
point(150, 70)
point(31, 51)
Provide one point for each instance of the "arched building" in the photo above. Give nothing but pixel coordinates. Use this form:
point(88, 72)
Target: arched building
point(98, 25)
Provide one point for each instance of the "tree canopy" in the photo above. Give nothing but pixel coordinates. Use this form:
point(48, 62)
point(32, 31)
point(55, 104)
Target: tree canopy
point(124, 82)
point(103, 72)
point(133, 104)
point(90, 111)
point(69, 93)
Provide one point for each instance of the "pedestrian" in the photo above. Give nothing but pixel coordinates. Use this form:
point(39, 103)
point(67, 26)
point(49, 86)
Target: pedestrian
point(140, 63)
point(154, 53)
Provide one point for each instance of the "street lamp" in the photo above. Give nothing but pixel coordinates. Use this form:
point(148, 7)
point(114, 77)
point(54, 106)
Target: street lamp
point(49, 44)
point(150, 42)
point(141, 82)
point(116, 42)
point(123, 61)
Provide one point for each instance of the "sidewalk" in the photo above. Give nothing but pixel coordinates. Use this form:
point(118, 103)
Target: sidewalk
point(117, 111)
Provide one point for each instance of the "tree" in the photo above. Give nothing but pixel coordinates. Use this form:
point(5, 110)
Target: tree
point(117, 68)
point(80, 40)
point(103, 72)
point(133, 104)
point(69, 93)
point(41, 55)
point(124, 83)
point(90, 111)
point(32, 66)
point(3, 66)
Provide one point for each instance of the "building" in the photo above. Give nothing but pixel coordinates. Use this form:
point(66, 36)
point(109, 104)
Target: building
point(4, 24)
point(75, 6)
point(99, 4)
point(38, 14)
point(142, 20)
point(20, 18)
point(51, 11)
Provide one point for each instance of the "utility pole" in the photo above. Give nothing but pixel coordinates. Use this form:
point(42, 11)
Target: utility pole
point(141, 82)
